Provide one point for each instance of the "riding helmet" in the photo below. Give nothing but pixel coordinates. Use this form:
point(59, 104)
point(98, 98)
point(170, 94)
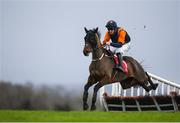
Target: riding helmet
point(111, 24)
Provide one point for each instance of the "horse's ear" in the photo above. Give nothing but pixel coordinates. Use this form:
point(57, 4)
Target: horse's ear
point(96, 30)
point(86, 30)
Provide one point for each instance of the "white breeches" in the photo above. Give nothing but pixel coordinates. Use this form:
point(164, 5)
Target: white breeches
point(121, 50)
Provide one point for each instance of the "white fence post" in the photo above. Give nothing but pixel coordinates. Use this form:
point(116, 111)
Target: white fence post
point(162, 89)
point(132, 91)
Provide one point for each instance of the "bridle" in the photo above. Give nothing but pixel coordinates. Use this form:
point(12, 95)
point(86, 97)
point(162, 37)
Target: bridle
point(99, 45)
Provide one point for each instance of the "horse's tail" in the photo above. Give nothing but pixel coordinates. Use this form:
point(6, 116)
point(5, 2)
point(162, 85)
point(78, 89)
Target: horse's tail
point(154, 86)
point(149, 78)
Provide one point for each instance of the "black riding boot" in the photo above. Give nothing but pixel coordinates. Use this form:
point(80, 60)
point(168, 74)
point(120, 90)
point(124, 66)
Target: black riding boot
point(119, 66)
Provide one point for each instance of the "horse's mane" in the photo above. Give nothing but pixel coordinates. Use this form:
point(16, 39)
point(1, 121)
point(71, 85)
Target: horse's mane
point(99, 34)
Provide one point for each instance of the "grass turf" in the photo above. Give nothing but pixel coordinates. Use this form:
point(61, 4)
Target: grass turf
point(82, 116)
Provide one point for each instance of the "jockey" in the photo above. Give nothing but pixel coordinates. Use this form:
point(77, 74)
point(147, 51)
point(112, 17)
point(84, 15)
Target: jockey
point(120, 41)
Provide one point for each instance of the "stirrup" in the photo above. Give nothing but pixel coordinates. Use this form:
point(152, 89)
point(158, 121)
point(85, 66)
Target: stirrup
point(119, 68)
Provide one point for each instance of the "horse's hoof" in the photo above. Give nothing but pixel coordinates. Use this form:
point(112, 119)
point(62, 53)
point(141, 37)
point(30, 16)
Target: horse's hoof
point(85, 107)
point(155, 86)
point(148, 89)
point(93, 107)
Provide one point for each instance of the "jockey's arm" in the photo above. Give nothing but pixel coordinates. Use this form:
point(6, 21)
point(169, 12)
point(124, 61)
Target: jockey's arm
point(106, 39)
point(122, 35)
point(118, 44)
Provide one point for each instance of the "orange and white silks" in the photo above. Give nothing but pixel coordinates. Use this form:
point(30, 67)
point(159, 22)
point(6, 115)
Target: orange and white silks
point(121, 36)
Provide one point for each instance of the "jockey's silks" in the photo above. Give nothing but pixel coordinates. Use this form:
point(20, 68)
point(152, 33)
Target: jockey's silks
point(120, 36)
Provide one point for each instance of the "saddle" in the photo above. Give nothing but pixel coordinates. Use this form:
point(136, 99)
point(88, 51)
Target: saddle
point(115, 59)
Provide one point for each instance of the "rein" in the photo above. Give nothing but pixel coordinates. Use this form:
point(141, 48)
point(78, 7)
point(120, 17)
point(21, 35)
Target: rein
point(98, 59)
point(97, 47)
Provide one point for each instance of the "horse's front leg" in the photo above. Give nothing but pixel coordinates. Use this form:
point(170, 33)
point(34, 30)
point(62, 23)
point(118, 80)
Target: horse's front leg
point(85, 94)
point(105, 80)
point(96, 88)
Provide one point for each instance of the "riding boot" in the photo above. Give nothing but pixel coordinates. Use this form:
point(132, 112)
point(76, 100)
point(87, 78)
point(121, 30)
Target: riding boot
point(119, 66)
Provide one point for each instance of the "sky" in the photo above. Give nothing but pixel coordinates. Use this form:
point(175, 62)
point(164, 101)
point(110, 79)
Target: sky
point(41, 41)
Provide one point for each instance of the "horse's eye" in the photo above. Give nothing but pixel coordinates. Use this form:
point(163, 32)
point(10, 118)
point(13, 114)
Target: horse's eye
point(91, 38)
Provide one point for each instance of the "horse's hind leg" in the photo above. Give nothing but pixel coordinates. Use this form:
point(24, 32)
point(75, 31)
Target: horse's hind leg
point(153, 86)
point(142, 84)
point(96, 88)
point(145, 87)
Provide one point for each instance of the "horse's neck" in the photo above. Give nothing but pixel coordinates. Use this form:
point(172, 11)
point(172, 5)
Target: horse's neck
point(97, 53)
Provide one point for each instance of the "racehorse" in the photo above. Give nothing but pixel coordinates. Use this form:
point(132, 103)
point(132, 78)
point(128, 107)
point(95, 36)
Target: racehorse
point(101, 69)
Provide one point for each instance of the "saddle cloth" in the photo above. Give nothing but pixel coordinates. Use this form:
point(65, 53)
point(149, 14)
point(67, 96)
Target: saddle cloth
point(124, 64)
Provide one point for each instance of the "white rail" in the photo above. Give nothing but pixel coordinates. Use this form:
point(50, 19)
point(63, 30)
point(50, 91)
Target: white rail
point(164, 80)
point(164, 88)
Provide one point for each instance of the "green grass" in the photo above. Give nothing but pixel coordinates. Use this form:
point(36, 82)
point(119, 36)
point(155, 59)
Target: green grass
point(81, 116)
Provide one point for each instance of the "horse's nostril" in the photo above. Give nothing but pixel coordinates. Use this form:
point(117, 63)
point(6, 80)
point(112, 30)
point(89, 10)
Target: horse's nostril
point(88, 49)
point(86, 54)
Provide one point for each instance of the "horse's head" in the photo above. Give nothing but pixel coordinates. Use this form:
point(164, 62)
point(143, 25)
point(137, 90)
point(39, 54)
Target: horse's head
point(92, 41)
